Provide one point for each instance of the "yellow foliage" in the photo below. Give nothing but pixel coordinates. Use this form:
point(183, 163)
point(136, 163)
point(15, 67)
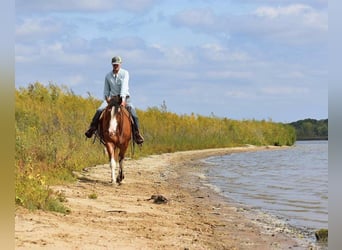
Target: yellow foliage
point(50, 122)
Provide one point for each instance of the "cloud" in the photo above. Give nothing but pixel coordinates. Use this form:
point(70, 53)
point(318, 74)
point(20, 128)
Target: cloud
point(62, 5)
point(51, 54)
point(138, 6)
point(197, 57)
point(200, 20)
point(274, 12)
point(196, 18)
point(316, 3)
point(239, 94)
point(304, 15)
point(215, 52)
point(33, 29)
point(284, 91)
point(294, 24)
point(76, 79)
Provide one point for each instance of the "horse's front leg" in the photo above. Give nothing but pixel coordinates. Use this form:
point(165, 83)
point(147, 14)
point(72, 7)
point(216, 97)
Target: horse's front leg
point(112, 168)
point(112, 161)
point(121, 175)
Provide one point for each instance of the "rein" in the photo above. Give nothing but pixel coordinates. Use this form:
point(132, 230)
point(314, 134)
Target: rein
point(122, 121)
point(124, 111)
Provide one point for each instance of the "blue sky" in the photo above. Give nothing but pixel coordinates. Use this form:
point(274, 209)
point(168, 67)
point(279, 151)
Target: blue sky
point(245, 59)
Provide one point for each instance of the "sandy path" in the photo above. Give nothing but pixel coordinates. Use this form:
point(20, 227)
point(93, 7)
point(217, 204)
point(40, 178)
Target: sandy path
point(123, 217)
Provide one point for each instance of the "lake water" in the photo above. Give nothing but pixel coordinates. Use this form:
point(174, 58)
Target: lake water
point(290, 183)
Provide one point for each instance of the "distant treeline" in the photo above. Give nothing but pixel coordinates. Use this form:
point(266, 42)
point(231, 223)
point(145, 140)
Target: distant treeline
point(50, 122)
point(311, 129)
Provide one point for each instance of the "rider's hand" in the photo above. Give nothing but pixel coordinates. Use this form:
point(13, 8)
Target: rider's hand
point(108, 99)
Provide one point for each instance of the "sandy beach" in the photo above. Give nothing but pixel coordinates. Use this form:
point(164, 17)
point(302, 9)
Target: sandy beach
point(129, 216)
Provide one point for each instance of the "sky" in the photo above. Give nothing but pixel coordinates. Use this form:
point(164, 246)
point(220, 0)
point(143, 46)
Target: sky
point(236, 59)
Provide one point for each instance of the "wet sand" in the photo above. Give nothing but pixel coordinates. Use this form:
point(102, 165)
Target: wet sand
point(193, 216)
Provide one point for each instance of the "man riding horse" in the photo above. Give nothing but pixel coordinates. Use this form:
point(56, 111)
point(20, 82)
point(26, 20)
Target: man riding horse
point(116, 85)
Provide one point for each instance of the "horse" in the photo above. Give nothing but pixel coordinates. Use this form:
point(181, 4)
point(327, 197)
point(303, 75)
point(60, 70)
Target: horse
point(116, 133)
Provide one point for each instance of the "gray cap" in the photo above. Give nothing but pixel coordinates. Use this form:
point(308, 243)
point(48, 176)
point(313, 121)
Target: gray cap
point(116, 60)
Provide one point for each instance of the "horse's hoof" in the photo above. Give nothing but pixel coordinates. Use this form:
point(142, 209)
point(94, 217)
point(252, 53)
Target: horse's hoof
point(119, 181)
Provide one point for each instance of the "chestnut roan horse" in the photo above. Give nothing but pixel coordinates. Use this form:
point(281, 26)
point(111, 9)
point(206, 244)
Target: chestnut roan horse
point(116, 131)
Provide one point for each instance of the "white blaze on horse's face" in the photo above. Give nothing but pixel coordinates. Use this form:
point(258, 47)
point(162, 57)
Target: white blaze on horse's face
point(113, 122)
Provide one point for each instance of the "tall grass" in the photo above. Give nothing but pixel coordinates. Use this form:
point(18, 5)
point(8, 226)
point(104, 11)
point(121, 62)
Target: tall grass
point(168, 132)
point(50, 122)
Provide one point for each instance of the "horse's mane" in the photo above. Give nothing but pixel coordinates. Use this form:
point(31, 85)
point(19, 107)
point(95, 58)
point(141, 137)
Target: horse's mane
point(115, 101)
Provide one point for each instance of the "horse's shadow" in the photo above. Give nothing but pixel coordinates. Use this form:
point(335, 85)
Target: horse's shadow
point(85, 179)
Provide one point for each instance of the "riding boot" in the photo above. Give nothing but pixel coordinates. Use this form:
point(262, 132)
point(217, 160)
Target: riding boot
point(136, 134)
point(93, 124)
point(138, 137)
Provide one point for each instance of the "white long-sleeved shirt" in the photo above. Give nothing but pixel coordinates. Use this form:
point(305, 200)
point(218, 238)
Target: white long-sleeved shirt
point(116, 84)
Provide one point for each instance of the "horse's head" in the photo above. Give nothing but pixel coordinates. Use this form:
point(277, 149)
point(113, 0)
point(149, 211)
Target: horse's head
point(113, 119)
point(110, 117)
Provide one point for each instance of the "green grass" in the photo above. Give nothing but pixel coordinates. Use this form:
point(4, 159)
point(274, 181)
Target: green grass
point(92, 196)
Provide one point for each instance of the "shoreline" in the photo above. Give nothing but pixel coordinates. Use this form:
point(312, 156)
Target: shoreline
point(304, 236)
point(125, 217)
point(267, 223)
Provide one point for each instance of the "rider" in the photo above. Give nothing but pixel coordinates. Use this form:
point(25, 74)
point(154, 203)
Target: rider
point(116, 84)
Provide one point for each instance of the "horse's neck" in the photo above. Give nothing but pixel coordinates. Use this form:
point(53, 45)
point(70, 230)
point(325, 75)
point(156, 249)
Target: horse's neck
point(125, 112)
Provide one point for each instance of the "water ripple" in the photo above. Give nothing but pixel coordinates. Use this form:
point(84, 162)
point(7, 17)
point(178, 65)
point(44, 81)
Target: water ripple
point(291, 183)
